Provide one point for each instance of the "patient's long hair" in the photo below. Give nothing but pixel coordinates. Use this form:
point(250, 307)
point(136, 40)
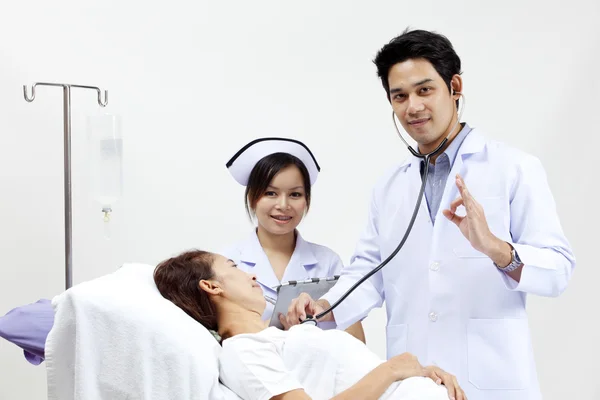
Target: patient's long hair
point(177, 279)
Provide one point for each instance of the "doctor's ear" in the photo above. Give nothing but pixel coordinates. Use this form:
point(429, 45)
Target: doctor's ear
point(210, 287)
point(456, 86)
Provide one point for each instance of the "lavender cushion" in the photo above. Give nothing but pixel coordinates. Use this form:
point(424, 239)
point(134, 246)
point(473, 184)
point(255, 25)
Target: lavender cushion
point(28, 327)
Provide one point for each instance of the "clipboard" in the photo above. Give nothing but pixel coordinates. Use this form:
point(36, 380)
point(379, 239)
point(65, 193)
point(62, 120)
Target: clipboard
point(288, 291)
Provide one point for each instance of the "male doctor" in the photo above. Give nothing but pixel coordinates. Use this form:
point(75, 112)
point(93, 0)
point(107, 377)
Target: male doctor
point(456, 292)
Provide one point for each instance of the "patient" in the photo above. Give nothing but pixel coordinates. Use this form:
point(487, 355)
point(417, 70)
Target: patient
point(305, 362)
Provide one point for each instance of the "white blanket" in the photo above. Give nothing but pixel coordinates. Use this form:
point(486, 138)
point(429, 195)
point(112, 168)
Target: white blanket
point(322, 362)
point(117, 338)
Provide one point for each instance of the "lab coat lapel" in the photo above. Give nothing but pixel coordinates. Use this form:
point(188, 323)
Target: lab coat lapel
point(301, 262)
point(396, 208)
point(413, 170)
point(254, 255)
point(473, 143)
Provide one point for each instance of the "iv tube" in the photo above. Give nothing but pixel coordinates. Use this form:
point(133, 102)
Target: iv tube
point(106, 159)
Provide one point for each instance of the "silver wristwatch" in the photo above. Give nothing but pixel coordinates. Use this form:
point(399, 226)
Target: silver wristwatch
point(515, 261)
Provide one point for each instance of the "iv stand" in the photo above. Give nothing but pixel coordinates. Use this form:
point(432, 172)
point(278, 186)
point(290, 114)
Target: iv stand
point(67, 163)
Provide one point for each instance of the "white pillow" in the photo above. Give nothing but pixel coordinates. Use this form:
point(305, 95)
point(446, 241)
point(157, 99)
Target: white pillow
point(116, 337)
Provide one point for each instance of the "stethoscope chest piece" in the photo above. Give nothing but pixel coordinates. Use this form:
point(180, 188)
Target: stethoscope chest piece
point(309, 320)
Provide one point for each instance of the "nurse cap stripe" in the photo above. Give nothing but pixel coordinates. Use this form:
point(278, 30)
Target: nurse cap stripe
point(242, 163)
point(230, 162)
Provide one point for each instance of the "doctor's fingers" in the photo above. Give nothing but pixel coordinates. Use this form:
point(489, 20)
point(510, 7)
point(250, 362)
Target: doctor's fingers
point(457, 219)
point(455, 203)
point(471, 205)
point(284, 322)
point(292, 317)
point(297, 309)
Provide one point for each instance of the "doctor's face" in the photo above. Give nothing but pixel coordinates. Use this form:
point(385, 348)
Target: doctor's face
point(422, 102)
point(282, 206)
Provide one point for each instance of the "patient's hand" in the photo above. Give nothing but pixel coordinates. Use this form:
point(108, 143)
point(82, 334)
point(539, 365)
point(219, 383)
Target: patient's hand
point(448, 380)
point(405, 366)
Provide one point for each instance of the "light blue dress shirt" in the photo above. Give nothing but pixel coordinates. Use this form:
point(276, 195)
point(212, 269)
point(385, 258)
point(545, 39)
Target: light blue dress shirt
point(438, 172)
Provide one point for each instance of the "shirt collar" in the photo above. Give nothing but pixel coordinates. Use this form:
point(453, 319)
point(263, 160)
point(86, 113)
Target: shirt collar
point(452, 149)
point(303, 253)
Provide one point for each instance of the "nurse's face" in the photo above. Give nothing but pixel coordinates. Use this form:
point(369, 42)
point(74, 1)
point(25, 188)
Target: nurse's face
point(422, 102)
point(281, 208)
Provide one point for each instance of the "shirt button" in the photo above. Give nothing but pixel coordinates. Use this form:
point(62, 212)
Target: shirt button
point(433, 316)
point(434, 266)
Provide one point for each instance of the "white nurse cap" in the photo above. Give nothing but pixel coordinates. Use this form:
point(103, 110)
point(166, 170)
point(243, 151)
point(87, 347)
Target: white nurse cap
point(241, 164)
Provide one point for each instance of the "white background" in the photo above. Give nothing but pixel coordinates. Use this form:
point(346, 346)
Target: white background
point(195, 80)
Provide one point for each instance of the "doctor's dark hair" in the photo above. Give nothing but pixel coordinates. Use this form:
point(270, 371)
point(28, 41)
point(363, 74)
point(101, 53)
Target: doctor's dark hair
point(177, 279)
point(263, 173)
point(431, 46)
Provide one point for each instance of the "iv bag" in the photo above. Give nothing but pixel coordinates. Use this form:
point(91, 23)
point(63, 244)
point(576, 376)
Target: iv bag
point(106, 159)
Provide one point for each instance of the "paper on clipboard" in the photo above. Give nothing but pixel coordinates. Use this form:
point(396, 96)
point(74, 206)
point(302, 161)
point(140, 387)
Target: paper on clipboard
point(288, 291)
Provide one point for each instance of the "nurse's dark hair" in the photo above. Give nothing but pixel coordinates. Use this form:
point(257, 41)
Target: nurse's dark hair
point(177, 279)
point(263, 173)
point(415, 44)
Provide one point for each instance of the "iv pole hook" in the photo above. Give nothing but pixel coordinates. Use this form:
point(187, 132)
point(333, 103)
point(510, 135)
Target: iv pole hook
point(101, 103)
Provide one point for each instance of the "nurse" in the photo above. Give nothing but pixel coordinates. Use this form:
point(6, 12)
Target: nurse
point(278, 174)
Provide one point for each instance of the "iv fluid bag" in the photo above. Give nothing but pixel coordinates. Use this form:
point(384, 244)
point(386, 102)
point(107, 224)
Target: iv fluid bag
point(106, 158)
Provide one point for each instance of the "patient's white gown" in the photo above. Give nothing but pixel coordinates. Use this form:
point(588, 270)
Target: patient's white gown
point(324, 363)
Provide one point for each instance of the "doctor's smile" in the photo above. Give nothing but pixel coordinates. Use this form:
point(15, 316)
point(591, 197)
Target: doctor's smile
point(419, 122)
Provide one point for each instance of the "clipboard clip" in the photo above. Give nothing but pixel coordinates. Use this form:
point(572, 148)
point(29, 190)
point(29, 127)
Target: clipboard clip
point(310, 280)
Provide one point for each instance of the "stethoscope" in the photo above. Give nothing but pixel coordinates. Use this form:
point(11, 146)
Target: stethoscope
point(426, 158)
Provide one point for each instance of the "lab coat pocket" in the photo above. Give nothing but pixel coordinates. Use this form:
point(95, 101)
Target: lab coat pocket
point(396, 337)
point(498, 353)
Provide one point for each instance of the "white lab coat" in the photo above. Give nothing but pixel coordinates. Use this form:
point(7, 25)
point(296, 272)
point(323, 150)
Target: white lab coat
point(309, 260)
point(446, 302)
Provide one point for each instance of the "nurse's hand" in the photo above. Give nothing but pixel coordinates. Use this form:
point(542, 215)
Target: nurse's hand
point(303, 305)
point(441, 377)
point(473, 225)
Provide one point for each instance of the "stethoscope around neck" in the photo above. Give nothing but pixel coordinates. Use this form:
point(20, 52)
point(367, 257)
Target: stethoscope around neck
point(426, 159)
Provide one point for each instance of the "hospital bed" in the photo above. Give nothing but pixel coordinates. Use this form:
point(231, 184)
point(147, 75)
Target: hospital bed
point(116, 337)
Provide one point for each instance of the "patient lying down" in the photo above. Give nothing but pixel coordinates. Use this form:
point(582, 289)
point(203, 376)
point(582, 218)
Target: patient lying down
point(262, 363)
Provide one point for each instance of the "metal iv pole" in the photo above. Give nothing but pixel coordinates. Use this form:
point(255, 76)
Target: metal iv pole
point(67, 163)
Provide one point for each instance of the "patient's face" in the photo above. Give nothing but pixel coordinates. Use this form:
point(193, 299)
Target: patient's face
point(238, 286)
